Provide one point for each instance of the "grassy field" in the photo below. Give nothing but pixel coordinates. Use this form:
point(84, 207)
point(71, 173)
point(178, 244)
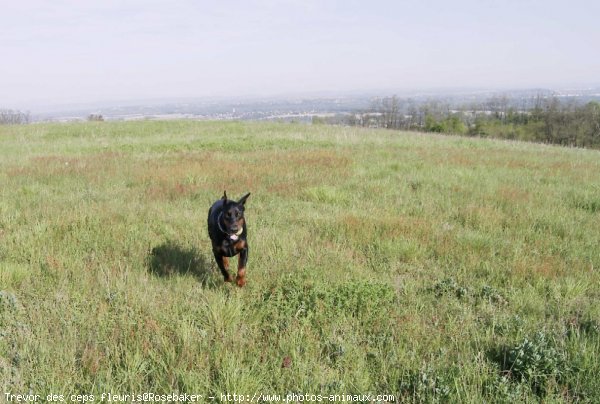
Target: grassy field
point(430, 268)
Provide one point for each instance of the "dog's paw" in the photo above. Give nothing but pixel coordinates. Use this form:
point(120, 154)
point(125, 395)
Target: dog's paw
point(241, 281)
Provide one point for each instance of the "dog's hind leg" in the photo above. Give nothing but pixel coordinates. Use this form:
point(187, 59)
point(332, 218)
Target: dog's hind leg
point(223, 263)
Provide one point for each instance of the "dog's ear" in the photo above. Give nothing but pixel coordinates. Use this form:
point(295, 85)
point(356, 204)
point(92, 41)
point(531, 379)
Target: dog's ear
point(224, 197)
point(242, 200)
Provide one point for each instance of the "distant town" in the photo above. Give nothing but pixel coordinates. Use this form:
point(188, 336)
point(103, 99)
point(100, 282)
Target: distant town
point(300, 109)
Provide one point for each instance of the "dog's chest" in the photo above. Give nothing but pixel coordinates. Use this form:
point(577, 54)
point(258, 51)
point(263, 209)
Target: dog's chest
point(230, 247)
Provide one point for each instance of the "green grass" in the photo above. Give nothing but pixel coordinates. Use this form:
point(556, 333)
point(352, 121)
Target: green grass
point(429, 267)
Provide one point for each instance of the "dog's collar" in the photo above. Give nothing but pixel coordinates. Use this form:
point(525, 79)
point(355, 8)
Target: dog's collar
point(232, 236)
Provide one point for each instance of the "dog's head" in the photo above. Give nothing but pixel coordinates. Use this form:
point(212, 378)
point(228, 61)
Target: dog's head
point(233, 216)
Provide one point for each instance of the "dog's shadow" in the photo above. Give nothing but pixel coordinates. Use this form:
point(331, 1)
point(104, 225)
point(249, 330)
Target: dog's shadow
point(170, 259)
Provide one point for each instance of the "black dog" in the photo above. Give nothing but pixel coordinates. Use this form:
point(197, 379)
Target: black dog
point(227, 231)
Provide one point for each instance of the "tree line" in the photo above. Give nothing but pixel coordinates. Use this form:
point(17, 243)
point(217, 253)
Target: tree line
point(11, 117)
point(539, 119)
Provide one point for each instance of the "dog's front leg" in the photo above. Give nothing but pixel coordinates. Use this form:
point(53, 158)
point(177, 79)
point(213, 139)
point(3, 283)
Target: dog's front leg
point(242, 260)
point(223, 263)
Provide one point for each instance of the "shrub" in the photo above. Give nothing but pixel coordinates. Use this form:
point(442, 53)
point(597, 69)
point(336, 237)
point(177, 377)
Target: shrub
point(536, 361)
point(449, 287)
point(426, 385)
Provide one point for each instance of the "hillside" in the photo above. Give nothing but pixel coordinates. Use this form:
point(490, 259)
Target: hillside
point(381, 262)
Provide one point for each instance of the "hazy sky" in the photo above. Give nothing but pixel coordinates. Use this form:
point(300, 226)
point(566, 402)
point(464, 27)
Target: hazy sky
point(63, 51)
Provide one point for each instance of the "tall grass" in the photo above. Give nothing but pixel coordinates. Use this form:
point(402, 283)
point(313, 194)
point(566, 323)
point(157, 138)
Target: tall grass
point(431, 268)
